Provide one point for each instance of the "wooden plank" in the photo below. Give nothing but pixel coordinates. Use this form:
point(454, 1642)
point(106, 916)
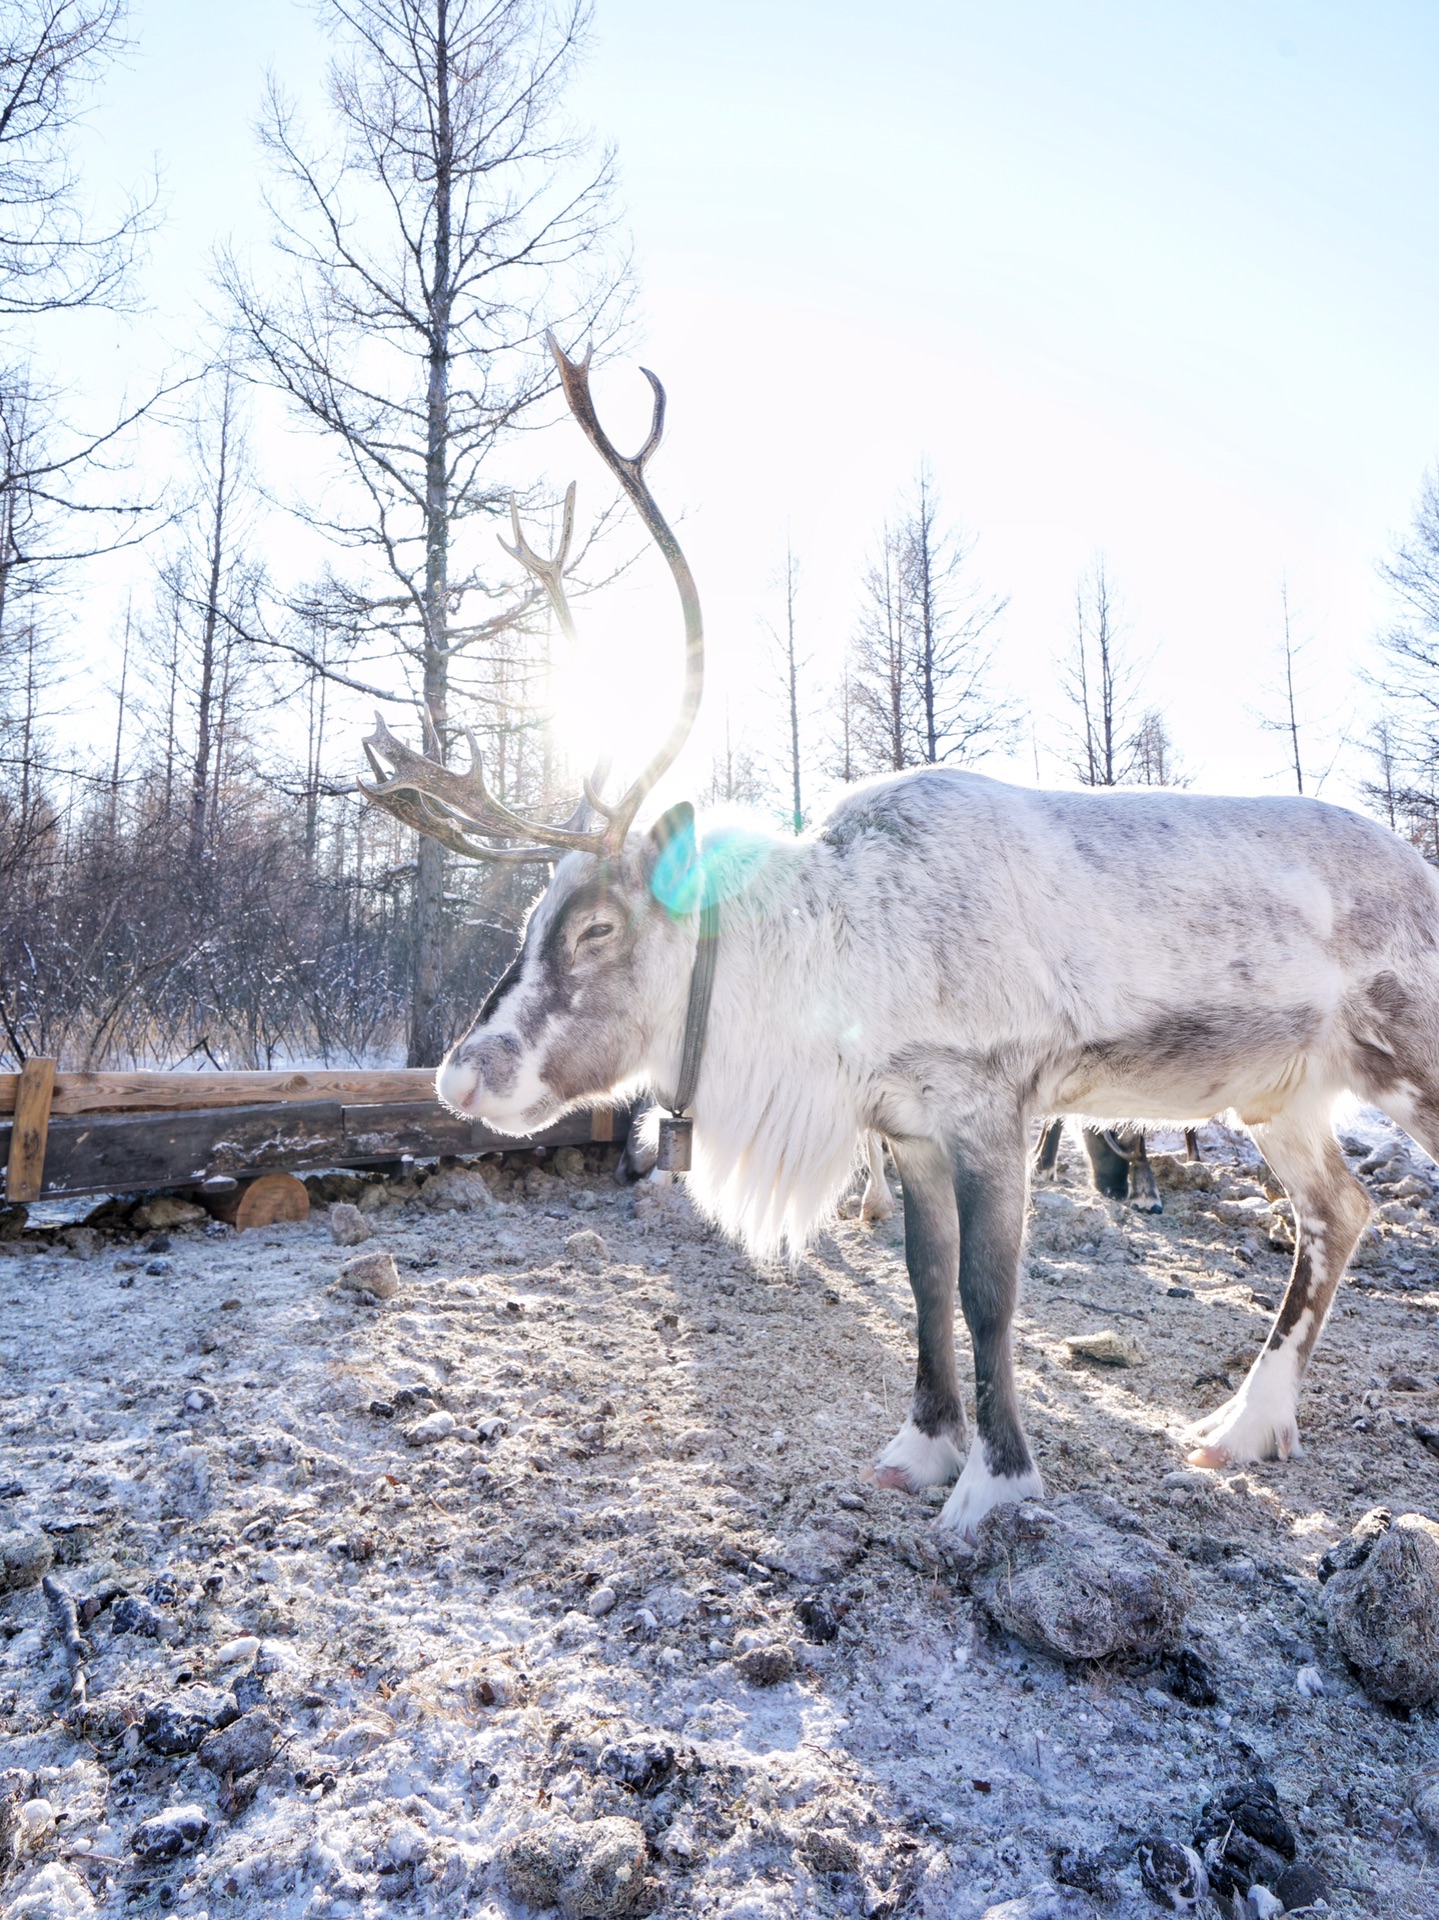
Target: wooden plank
point(193, 1092)
point(602, 1124)
point(130, 1153)
point(25, 1165)
point(416, 1127)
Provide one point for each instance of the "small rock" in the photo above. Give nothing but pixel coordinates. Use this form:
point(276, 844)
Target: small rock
point(1261, 1904)
point(1244, 1837)
point(1384, 1614)
point(131, 1614)
point(1188, 1480)
point(179, 1725)
point(589, 1871)
point(348, 1226)
point(1173, 1875)
point(1354, 1549)
point(1405, 1383)
point(643, 1768)
point(1071, 1583)
point(433, 1428)
point(817, 1617)
point(26, 1556)
point(1190, 1679)
point(37, 1818)
point(587, 1247)
point(1077, 1867)
point(1424, 1797)
point(1301, 1886)
point(1309, 1682)
point(1106, 1348)
point(373, 1273)
point(766, 1666)
point(568, 1163)
point(601, 1601)
point(165, 1210)
point(457, 1190)
point(165, 1836)
point(157, 1269)
point(83, 1242)
point(245, 1744)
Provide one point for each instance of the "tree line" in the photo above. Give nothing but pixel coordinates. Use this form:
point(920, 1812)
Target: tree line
point(185, 877)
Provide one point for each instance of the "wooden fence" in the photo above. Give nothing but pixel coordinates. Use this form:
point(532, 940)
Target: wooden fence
point(78, 1133)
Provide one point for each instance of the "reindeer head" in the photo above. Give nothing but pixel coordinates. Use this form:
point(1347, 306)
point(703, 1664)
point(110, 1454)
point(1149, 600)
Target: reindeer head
point(594, 1001)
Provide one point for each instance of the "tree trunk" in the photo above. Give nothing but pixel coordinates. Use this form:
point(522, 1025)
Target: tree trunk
point(429, 1033)
point(204, 718)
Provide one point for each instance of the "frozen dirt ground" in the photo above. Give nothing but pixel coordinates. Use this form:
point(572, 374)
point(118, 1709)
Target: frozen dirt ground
point(557, 1601)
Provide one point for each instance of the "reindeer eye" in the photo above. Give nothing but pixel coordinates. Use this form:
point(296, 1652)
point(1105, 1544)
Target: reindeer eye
point(597, 930)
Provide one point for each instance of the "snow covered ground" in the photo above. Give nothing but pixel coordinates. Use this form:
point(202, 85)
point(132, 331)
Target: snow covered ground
point(557, 1576)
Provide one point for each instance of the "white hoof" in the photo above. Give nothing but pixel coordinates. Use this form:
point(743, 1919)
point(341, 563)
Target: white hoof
point(979, 1491)
point(876, 1206)
point(1259, 1423)
point(913, 1460)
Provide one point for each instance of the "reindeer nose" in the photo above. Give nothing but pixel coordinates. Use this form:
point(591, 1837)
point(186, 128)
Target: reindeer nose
point(456, 1083)
point(479, 1066)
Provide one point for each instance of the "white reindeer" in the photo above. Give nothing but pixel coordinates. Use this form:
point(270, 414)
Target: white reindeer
point(941, 959)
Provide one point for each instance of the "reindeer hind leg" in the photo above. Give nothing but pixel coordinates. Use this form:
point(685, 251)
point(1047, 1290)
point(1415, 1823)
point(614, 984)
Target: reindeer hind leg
point(1331, 1208)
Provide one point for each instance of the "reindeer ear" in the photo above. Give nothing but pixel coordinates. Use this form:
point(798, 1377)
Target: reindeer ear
point(673, 856)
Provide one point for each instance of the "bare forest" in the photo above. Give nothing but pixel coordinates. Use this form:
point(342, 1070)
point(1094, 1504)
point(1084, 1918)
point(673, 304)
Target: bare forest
point(189, 876)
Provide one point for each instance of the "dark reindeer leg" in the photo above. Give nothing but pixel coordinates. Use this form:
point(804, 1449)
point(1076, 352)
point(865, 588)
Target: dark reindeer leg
point(990, 1188)
point(1121, 1168)
point(928, 1450)
point(1330, 1211)
point(1046, 1154)
point(1143, 1187)
point(1109, 1167)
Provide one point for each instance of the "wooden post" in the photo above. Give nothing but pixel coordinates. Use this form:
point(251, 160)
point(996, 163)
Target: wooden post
point(25, 1175)
point(602, 1123)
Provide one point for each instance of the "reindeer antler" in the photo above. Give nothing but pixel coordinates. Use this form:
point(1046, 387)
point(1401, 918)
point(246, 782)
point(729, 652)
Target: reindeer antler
point(458, 809)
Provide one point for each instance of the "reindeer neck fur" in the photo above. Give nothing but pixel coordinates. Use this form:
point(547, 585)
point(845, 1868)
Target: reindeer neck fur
point(778, 1106)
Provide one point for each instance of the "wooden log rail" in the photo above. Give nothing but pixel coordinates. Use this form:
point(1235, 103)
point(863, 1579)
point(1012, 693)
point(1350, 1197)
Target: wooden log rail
point(131, 1132)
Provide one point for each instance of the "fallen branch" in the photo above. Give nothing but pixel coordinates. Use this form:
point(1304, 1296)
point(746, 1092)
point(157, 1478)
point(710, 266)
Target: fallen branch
point(67, 1632)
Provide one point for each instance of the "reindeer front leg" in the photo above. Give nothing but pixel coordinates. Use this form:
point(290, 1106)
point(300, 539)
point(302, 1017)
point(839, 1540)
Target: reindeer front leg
point(988, 1172)
point(928, 1450)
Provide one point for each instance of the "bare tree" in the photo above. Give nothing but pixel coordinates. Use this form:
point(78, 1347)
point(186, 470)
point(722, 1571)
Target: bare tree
point(790, 666)
point(920, 672)
point(455, 218)
point(52, 254)
point(952, 652)
point(1153, 761)
point(1099, 680)
point(736, 778)
point(1286, 721)
point(1309, 751)
point(877, 685)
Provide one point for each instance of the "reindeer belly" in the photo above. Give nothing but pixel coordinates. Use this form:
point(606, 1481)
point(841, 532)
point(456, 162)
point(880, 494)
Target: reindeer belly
point(1193, 1063)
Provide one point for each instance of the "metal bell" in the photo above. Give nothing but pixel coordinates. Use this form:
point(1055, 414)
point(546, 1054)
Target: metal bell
point(676, 1133)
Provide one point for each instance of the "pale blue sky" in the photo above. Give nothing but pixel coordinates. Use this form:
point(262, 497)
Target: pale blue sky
point(1155, 279)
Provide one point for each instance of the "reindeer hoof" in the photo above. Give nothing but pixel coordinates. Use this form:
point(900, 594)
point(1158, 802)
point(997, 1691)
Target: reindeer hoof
point(1245, 1428)
point(914, 1460)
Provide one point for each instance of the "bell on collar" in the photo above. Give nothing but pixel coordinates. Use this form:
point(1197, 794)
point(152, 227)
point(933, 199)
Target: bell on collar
point(676, 1133)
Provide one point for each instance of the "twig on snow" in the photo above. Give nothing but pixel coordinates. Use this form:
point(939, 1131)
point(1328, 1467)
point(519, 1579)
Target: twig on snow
point(67, 1631)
